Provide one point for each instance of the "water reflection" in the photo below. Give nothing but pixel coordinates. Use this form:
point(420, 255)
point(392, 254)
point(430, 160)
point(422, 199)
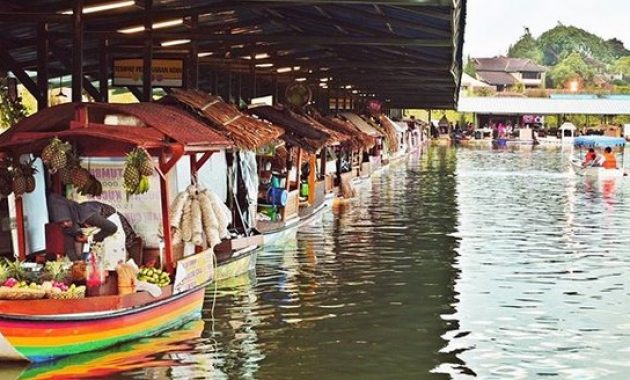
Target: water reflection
point(543, 268)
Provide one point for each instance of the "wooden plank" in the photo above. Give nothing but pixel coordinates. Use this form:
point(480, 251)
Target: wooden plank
point(8, 63)
point(42, 66)
point(77, 51)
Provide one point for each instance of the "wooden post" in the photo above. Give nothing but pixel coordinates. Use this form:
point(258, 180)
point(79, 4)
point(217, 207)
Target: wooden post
point(229, 86)
point(147, 62)
point(77, 50)
point(42, 66)
point(288, 179)
point(298, 169)
point(103, 71)
point(323, 162)
point(166, 225)
point(312, 177)
point(240, 90)
point(194, 55)
point(19, 222)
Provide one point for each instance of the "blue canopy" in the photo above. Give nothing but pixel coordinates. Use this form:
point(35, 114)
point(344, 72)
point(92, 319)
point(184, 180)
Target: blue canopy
point(599, 142)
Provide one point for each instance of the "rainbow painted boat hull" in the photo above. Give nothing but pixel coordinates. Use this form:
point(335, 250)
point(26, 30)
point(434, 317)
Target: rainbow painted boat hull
point(39, 338)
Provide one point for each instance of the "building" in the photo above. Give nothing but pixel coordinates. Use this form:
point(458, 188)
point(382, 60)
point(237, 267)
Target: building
point(504, 72)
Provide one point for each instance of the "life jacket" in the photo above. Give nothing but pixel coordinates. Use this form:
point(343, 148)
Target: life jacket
point(611, 161)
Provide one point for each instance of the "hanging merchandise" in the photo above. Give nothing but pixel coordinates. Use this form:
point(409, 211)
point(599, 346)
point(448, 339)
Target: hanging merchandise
point(138, 168)
point(199, 216)
point(24, 178)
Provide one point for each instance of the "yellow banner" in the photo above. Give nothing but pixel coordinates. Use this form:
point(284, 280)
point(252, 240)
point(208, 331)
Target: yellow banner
point(165, 72)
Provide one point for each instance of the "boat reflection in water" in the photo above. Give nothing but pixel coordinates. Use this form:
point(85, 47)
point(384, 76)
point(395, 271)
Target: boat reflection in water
point(148, 358)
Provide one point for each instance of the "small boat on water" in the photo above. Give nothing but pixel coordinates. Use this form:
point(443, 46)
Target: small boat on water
point(598, 143)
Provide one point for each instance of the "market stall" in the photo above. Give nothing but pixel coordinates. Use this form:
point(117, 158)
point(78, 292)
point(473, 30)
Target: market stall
point(90, 307)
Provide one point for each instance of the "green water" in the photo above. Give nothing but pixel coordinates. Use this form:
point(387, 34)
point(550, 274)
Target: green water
point(460, 263)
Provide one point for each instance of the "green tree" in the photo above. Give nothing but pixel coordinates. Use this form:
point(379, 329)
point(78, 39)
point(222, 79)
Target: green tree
point(469, 68)
point(622, 66)
point(571, 68)
point(526, 47)
point(11, 111)
point(561, 41)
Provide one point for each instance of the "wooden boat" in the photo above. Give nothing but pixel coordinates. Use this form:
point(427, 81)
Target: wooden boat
point(132, 356)
point(46, 329)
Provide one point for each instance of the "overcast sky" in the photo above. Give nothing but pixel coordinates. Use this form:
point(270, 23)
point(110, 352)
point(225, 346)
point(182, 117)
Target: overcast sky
point(492, 25)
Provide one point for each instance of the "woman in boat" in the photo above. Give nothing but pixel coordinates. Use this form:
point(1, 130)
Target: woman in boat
point(610, 161)
point(71, 216)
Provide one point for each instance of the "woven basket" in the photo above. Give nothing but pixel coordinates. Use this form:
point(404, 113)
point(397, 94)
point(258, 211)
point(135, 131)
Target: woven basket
point(22, 294)
point(66, 295)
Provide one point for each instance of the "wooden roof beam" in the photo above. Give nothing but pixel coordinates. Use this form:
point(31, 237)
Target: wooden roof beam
point(9, 64)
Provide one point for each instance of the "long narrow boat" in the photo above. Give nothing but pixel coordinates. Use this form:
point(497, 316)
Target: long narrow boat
point(46, 329)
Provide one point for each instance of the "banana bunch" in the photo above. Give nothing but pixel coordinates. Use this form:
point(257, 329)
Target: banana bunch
point(143, 186)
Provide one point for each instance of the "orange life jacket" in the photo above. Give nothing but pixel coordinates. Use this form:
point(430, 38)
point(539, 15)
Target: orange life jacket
point(611, 161)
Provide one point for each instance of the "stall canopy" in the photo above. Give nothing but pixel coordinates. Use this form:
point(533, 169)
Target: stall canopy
point(361, 124)
point(112, 129)
point(408, 53)
point(244, 131)
point(299, 131)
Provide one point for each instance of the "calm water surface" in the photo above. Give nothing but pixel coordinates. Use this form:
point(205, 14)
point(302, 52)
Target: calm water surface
point(461, 263)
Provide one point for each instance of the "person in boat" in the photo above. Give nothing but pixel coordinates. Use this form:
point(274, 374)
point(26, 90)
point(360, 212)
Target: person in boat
point(610, 160)
point(590, 159)
point(71, 216)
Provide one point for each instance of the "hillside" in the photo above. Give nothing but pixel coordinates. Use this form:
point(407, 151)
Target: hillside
point(573, 54)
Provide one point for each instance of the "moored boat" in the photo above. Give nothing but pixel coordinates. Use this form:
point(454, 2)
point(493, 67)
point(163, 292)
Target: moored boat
point(596, 169)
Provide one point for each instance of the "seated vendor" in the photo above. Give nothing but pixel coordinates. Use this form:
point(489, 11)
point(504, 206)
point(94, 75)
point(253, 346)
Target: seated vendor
point(71, 216)
point(610, 159)
point(590, 159)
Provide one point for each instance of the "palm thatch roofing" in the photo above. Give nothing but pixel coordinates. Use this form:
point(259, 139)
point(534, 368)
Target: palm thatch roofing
point(299, 131)
point(357, 139)
point(245, 131)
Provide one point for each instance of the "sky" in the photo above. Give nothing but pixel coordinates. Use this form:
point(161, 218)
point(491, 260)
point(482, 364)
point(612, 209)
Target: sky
point(492, 25)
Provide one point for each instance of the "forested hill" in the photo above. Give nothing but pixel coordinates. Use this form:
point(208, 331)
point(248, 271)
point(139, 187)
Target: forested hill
point(573, 53)
point(558, 43)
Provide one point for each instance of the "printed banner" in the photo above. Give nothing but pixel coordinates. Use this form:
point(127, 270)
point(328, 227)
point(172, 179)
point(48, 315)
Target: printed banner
point(165, 72)
point(143, 211)
point(193, 271)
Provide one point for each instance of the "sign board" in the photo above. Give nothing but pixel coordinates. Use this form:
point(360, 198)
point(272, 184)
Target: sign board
point(193, 271)
point(533, 119)
point(165, 72)
point(142, 211)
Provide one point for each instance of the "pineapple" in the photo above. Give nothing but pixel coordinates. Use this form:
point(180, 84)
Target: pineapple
point(56, 271)
point(55, 154)
point(145, 166)
point(5, 182)
point(16, 270)
point(131, 177)
point(4, 271)
point(30, 184)
point(65, 175)
point(80, 177)
point(19, 185)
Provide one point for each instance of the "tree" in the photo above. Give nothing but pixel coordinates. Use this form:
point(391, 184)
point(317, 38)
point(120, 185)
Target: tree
point(622, 66)
point(469, 68)
point(11, 111)
point(526, 47)
point(561, 41)
point(571, 68)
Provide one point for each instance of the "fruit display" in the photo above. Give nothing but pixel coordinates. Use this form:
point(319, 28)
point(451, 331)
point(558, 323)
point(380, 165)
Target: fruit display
point(60, 290)
point(55, 154)
point(138, 169)
point(154, 276)
point(14, 289)
point(57, 271)
point(199, 216)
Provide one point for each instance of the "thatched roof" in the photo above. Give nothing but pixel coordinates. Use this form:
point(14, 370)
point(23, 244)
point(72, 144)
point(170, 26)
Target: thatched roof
point(244, 131)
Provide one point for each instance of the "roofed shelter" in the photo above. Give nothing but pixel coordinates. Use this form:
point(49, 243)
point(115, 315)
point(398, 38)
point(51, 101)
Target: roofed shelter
point(405, 52)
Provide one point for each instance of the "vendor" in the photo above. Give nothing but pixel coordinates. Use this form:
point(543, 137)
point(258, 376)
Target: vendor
point(71, 216)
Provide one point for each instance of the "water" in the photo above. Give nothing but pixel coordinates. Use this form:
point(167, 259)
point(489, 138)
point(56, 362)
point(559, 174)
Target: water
point(463, 263)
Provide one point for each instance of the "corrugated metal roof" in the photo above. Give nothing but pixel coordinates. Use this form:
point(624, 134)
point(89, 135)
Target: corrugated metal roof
point(544, 106)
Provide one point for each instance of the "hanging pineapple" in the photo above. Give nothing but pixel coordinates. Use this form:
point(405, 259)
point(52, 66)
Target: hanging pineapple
point(23, 178)
point(79, 177)
point(138, 168)
point(6, 182)
point(55, 154)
